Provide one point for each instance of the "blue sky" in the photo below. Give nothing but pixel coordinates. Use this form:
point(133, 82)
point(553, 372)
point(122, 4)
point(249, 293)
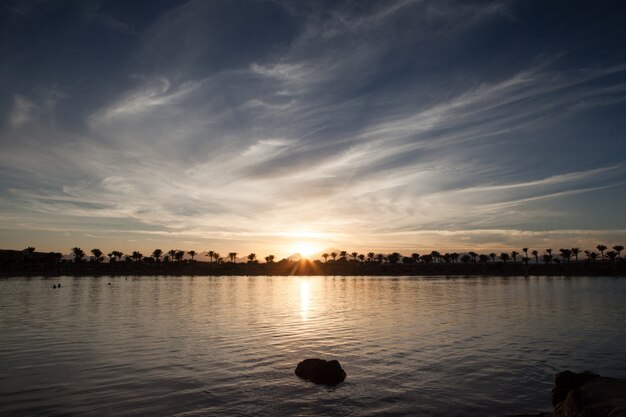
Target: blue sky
point(359, 125)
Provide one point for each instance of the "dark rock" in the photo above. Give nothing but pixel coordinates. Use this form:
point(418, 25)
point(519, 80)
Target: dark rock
point(566, 381)
point(598, 397)
point(320, 371)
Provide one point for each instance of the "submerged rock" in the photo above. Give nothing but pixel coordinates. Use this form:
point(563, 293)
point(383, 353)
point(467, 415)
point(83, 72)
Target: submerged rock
point(320, 371)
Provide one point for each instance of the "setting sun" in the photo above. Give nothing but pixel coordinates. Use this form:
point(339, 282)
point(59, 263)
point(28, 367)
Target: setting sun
point(305, 249)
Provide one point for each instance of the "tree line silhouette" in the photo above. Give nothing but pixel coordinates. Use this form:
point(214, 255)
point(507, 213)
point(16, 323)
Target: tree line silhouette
point(564, 255)
point(333, 262)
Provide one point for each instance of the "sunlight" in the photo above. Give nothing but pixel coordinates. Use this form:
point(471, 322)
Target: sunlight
point(305, 298)
point(305, 249)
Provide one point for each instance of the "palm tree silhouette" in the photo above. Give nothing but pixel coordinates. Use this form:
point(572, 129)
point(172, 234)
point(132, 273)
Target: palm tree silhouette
point(618, 249)
point(492, 256)
point(435, 255)
point(333, 255)
point(97, 255)
point(232, 256)
point(473, 255)
point(601, 248)
point(192, 253)
point(514, 256)
point(269, 259)
point(78, 253)
point(179, 255)
point(536, 255)
point(210, 254)
point(416, 257)
point(549, 256)
point(611, 255)
point(483, 258)
point(325, 256)
point(566, 254)
point(136, 255)
point(575, 252)
point(504, 256)
point(251, 257)
point(156, 254)
point(361, 258)
point(380, 257)
point(525, 250)
point(354, 255)
point(370, 256)
point(172, 253)
point(342, 255)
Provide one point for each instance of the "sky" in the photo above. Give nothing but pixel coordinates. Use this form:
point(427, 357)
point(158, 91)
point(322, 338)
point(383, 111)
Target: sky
point(266, 126)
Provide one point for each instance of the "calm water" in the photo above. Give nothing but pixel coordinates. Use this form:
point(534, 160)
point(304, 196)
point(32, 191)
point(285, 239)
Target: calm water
point(197, 346)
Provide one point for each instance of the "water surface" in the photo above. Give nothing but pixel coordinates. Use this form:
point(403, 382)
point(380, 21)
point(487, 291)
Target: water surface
point(228, 346)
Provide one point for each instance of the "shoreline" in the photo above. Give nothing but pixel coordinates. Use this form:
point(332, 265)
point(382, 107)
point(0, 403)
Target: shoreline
point(308, 268)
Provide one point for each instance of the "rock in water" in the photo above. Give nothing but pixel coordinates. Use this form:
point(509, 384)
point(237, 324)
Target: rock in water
point(320, 371)
point(591, 396)
point(566, 381)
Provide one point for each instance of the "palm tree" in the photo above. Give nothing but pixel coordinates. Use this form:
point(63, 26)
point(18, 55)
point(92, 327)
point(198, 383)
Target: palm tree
point(504, 256)
point(466, 258)
point(393, 258)
point(380, 257)
point(455, 257)
point(618, 249)
point(136, 255)
point(78, 253)
point(172, 253)
point(354, 255)
point(566, 254)
point(156, 254)
point(97, 255)
point(473, 255)
point(361, 257)
point(342, 255)
point(514, 256)
point(179, 255)
point(269, 259)
point(370, 256)
point(525, 250)
point(416, 257)
point(575, 252)
point(325, 256)
point(435, 255)
point(601, 248)
point(217, 257)
point(251, 257)
point(536, 255)
point(118, 254)
point(492, 256)
point(548, 256)
point(611, 255)
point(232, 256)
point(483, 258)
point(192, 253)
point(333, 255)
point(210, 254)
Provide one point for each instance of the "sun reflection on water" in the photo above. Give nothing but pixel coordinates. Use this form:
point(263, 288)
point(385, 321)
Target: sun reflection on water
point(305, 297)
